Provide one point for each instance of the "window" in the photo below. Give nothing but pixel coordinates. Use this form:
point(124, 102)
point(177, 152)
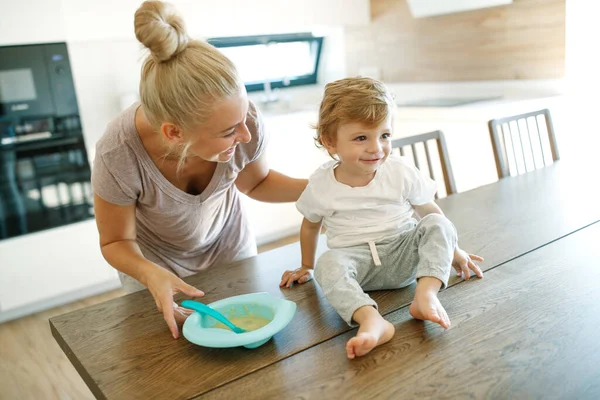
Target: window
point(276, 60)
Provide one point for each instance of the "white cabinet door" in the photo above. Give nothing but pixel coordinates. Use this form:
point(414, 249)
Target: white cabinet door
point(55, 263)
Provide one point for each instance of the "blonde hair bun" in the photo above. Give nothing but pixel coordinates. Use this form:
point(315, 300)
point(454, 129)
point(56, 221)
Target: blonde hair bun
point(160, 29)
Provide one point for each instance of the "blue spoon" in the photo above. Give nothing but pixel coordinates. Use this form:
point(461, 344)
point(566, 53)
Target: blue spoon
point(204, 309)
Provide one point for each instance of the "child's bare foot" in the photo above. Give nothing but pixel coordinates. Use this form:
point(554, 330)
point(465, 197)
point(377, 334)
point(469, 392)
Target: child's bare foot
point(373, 331)
point(426, 305)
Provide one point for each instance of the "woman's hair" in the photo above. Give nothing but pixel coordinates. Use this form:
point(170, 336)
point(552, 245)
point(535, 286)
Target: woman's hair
point(363, 100)
point(181, 77)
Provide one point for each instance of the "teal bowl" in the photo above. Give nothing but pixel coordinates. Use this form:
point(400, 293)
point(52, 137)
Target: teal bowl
point(200, 328)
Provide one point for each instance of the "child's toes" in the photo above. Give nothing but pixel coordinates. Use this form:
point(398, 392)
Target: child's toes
point(350, 349)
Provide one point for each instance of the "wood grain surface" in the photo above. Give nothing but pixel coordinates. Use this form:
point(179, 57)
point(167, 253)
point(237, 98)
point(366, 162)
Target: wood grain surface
point(521, 40)
point(122, 348)
point(528, 330)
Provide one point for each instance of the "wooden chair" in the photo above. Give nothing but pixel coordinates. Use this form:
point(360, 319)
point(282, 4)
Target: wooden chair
point(415, 143)
point(515, 150)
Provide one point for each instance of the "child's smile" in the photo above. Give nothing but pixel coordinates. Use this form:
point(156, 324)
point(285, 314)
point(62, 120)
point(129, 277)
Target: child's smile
point(361, 149)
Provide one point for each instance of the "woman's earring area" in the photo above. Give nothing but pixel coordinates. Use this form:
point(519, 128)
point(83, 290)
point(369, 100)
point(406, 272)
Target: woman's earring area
point(172, 133)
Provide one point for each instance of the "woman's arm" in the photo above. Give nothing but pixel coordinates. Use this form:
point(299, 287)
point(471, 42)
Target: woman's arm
point(116, 226)
point(260, 183)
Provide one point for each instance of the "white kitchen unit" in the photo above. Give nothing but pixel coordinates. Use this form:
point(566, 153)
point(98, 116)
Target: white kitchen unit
point(52, 267)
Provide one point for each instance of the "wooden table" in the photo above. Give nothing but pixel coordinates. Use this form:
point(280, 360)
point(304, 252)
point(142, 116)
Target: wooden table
point(528, 330)
point(122, 347)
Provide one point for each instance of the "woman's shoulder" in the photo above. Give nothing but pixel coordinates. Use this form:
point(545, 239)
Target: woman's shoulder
point(118, 137)
point(251, 151)
point(254, 120)
point(116, 171)
point(116, 149)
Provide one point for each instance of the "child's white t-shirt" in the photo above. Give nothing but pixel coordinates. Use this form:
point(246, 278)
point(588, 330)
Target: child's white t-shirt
point(358, 215)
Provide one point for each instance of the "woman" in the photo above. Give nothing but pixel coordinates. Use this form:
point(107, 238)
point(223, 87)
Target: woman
point(168, 171)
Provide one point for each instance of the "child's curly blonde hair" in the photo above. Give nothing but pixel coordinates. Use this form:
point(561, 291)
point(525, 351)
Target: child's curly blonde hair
point(363, 100)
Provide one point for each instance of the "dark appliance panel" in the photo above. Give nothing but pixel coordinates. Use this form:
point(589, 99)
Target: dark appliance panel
point(44, 170)
point(61, 79)
point(24, 85)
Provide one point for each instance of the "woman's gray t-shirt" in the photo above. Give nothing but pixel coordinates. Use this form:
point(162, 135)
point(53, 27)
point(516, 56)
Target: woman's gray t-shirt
point(176, 230)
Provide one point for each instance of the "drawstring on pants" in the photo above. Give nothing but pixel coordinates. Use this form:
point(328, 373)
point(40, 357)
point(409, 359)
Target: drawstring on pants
point(374, 253)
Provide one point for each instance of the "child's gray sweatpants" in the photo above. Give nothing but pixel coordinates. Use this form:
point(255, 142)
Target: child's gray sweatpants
point(426, 250)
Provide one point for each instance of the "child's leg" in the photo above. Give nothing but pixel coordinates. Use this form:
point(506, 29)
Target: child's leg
point(437, 239)
point(426, 305)
point(373, 331)
point(338, 272)
point(425, 253)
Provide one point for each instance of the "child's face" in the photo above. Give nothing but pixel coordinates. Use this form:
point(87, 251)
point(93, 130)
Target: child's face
point(362, 148)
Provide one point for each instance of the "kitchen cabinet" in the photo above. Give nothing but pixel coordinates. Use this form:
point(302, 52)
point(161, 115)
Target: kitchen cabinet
point(52, 267)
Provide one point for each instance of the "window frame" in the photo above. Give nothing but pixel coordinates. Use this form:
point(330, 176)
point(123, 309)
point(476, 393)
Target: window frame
point(240, 41)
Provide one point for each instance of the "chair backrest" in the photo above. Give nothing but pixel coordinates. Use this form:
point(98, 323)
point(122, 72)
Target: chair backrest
point(522, 143)
point(414, 143)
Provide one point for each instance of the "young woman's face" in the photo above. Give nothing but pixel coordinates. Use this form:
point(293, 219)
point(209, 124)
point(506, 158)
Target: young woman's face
point(217, 138)
point(361, 148)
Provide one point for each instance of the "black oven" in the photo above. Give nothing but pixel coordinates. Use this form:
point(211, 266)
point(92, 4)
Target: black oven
point(36, 80)
point(44, 170)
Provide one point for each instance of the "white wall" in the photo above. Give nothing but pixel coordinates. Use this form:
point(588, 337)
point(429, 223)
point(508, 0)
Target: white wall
point(19, 25)
point(37, 21)
point(582, 33)
point(582, 76)
point(93, 20)
point(103, 71)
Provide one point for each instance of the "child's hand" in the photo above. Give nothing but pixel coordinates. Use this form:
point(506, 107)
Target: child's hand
point(463, 262)
point(300, 275)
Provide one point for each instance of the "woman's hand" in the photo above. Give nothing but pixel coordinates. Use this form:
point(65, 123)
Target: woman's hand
point(463, 262)
point(300, 275)
point(163, 284)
